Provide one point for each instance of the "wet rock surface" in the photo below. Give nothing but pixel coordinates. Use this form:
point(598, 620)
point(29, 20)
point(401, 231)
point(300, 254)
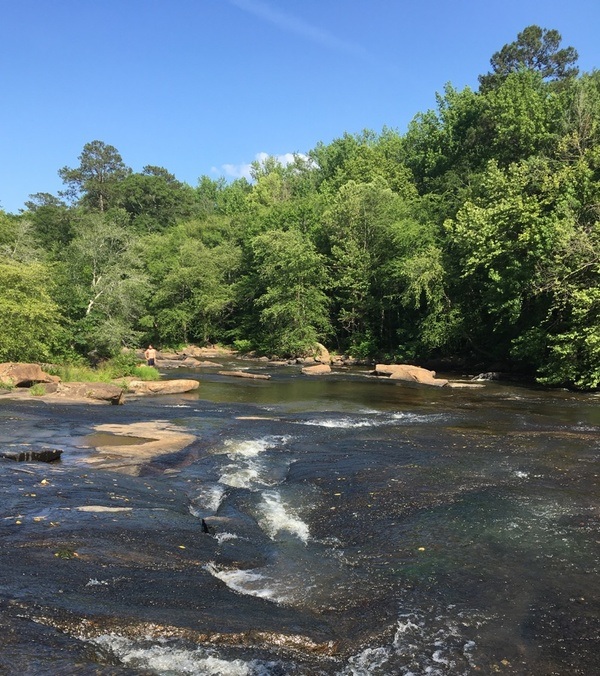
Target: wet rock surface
point(360, 526)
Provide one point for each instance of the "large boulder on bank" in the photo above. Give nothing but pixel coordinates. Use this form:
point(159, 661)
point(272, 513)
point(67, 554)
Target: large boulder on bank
point(24, 375)
point(317, 370)
point(162, 386)
point(322, 354)
point(99, 392)
point(408, 373)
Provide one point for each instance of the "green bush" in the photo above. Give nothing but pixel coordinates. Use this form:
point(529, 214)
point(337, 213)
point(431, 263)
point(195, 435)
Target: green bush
point(243, 346)
point(112, 369)
point(144, 372)
point(37, 390)
point(124, 364)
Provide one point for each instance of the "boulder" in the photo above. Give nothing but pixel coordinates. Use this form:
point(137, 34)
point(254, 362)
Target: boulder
point(100, 392)
point(317, 370)
point(190, 362)
point(24, 375)
point(322, 354)
point(41, 455)
point(162, 386)
point(168, 363)
point(50, 388)
point(489, 375)
point(204, 352)
point(408, 373)
point(165, 356)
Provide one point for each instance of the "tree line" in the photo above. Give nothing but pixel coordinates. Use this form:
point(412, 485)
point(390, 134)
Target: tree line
point(472, 237)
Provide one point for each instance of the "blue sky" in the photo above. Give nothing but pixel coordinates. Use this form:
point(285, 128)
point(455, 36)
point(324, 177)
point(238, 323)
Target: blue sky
point(202, 87)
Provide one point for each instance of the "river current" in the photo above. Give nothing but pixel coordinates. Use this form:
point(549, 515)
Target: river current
point(359, 526)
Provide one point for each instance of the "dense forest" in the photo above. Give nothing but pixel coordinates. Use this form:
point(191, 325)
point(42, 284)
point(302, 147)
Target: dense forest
point(473, 237)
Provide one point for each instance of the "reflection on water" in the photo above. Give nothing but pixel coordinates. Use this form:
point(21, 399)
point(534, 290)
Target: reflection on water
point(360, 527)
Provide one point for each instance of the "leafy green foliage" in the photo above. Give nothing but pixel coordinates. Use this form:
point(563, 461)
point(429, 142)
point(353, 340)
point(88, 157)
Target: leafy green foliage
point(31, 320)
point(107, 286)
point(534, 49)
point(192, 274)
point(291, 300)
point(95, 180)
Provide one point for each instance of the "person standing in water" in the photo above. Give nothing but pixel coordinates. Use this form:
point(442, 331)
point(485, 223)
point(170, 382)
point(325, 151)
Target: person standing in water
point(150, 355)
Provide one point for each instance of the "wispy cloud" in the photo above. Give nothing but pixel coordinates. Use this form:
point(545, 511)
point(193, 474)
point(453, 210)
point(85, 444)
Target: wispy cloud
point(294, 24)
point(244, 170)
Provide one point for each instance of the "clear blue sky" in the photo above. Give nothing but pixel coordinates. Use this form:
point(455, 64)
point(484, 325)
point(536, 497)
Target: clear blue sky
point(204, 86)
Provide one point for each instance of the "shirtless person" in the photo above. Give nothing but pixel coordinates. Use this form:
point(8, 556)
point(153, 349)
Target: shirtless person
point(150, 355)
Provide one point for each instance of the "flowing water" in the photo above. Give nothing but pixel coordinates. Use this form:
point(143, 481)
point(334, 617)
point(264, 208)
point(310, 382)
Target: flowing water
point(360, 527)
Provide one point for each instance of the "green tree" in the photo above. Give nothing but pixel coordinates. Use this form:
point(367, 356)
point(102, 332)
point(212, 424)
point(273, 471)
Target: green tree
point(291, 279)
point(17, 239)
point(534, 49)
point(524, 118)
point(192, 268)
point(501, 241)
point(51, 221)
point(360, 225)
point(94, 181)
point(107, 286)
point(154, 199)
point(444, 147)
point(31, 321)
point(580, 136)
point(564, 346)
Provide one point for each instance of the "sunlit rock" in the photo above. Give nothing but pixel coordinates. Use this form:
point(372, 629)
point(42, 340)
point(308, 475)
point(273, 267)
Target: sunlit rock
point(162, 386)
point(317, 370)
point(99, 392)
point(408, 373)
point(24, 375)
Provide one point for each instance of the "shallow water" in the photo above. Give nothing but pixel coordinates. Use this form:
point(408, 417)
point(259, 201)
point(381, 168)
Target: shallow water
point(361, 527)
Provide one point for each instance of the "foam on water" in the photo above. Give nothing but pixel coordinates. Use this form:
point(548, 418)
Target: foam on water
point(375, 419)
point(343, 423)
point(418, 417)
point(434, 643)
point(249, 448)
point(208, 497)
point(240, 477)
point(248, 582)
point(277, 516)
point(171, 660)
point(246, 469)
point(225, 537)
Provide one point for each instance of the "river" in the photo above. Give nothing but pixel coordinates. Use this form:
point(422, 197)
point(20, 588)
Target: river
point(361, 526)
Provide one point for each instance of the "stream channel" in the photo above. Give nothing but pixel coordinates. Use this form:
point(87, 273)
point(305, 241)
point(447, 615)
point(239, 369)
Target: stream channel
point(361, 526)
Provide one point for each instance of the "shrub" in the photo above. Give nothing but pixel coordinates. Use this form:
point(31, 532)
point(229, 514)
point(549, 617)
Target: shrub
point(37, 390)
